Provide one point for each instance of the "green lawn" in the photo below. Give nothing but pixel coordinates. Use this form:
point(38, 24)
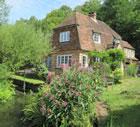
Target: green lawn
point(124, 103)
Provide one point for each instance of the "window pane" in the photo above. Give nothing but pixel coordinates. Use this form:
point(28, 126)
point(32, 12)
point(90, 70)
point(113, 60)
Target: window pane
point(84, 60)
point(70, 59)
point(62, 60)
point(96, 37)
point(64, 36)
point(66, 59)
point(68, 36)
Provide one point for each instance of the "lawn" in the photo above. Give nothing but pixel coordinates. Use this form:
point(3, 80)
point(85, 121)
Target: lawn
point(124, 103)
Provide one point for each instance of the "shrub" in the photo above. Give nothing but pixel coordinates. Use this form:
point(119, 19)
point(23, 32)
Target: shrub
point(6, 87)
point(132, 70)
point(117, 74)
point(68, 102)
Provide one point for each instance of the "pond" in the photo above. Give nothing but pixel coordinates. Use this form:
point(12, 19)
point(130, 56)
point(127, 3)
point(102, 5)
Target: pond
point(10, 112)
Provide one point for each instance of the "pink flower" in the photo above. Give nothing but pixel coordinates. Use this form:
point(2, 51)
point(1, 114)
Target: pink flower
point(64, 103)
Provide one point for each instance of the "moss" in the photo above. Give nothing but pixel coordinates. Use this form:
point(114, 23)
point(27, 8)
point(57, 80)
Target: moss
point(29, 80)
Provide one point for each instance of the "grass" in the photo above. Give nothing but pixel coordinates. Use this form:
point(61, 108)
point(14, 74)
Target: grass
point(29, 80)
point(124, 103)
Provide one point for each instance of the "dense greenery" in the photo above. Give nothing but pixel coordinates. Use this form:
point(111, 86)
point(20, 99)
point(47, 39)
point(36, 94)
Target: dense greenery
point(131, 70)
point(68, 102)
point(6, 87)
point(21, 45)
point(124, 104)
point(89, 6)
point(124, 17)
point(113, 58)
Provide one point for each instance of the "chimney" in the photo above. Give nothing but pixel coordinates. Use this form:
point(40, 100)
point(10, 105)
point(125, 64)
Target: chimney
point(93, 16)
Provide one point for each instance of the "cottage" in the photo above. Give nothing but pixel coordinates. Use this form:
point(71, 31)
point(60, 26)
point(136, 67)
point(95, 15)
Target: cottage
point(80, 34)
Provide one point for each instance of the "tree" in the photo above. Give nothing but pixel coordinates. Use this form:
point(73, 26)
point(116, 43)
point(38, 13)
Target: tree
point(89, 6)
point(21, 45)
point(123, 16)
point(55, 18)
point(32, 21)
point(4, 10)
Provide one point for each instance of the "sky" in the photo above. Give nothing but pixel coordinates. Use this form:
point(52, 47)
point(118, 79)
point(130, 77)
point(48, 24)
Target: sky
point(38, 8)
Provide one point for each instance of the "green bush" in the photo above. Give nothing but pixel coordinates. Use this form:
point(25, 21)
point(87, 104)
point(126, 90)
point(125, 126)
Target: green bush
point(68, 102)
point(117, 74)
point(6, 87)
point(132, 70)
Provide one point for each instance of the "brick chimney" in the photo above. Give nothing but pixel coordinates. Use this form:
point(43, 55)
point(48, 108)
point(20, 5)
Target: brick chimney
point(93, 16)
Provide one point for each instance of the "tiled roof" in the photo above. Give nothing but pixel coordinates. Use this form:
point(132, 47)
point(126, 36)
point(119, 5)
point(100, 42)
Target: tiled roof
point(125, 44)
point(86, 26)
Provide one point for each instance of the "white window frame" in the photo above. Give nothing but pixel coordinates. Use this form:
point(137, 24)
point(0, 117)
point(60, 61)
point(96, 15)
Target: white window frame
point(97, 59)
point(86, 62)
point(64, 36)
point(59, 60)
point(97, 38)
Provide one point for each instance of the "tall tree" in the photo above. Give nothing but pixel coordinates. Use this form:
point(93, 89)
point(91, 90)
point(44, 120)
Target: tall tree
point(4, 11)
point(20, 44)
point(55, 17)
point(89, 6)
point(123, 16)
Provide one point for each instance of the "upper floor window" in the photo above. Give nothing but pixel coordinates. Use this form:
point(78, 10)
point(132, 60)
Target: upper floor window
point(64, 36)
point(97, 38)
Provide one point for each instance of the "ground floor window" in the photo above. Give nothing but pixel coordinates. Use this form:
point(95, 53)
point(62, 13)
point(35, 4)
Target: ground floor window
point(63, 60)
point(84, 61)
point(97, 59)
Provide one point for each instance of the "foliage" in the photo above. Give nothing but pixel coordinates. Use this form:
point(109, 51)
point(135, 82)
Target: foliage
point(89, 6)
point(6, 87)
point(123, 102)
point(110, 62)
point(117, 74)
point(122, 22)
point(55, 18)
point(113, 57)
point(116, 56)
point(131, 70)
point(21, 44)
point(42, 71)
point(68, 102)
point(32, 21)
point(4, 11)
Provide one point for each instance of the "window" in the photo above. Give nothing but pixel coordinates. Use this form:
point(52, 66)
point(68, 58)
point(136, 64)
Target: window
point(63, 59)
point(97, 59)
point(84, 61)
point(48, 62)
point(97, 38)
point(64, 36)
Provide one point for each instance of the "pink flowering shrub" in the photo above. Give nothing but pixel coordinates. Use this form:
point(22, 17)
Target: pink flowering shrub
point(69, 99)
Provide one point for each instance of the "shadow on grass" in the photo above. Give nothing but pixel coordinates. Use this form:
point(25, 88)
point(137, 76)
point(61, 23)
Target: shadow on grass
point(128, 117)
